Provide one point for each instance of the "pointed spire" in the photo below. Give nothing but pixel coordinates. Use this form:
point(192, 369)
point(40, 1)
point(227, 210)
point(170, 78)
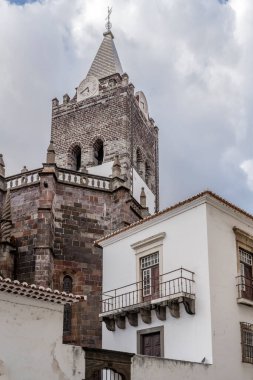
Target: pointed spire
point(6, 223)
point(106, 61)
point(143, 198)
point(51, 153)
point(2, 166)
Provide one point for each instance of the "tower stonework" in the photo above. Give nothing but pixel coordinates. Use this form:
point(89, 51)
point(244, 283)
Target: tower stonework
point(101, 161)
point(107, 114)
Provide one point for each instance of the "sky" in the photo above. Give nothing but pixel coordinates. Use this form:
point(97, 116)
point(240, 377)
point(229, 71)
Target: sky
point(193, 60)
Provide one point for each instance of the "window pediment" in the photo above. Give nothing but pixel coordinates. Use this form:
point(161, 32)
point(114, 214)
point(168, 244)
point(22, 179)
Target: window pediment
point(243, 237)
point(148, 242)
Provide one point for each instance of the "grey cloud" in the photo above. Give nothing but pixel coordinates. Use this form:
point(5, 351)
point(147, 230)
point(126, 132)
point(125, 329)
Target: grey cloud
point(192, 59)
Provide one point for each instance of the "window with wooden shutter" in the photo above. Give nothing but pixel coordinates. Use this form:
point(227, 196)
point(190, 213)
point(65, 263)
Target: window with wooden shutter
point(151, 341)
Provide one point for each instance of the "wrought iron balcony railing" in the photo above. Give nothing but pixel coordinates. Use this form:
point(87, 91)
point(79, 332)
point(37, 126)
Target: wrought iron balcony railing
point(169, 286)
point(245, 289)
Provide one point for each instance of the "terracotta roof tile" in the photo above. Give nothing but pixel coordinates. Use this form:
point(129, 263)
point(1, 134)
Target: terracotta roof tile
point(38, 292)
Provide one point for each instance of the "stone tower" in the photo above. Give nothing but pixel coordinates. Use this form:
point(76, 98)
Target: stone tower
point(100, 174)
point(104, 119)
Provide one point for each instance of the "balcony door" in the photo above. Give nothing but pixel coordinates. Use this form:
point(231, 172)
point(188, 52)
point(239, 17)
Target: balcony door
point(150, 276)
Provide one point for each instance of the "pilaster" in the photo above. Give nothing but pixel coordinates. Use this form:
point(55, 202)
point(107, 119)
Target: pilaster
point(43, 249)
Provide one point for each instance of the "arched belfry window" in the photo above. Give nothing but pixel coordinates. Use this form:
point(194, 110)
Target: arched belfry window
point(75, 158)
point(147, 172)
point(98, 148)
point(67, 316)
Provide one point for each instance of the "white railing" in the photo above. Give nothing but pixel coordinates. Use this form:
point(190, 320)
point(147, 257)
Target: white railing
point(22, 179)
point(83, 180)
point(33, 176)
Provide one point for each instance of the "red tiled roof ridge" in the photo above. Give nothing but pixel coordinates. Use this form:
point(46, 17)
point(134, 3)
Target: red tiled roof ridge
point(39, 292)
point(176, 205)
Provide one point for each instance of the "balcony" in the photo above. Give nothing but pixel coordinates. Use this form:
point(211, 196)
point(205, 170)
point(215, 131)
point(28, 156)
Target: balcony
point(168, 291)
point(245, 290)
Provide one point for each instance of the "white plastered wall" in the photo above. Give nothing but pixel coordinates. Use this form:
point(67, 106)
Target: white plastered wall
point(31, 342)
point(185, 244)
point(226, 312)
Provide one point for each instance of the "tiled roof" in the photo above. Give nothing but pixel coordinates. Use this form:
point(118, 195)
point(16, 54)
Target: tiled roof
point(177, 205)
point(106, 61)
point(38, 292)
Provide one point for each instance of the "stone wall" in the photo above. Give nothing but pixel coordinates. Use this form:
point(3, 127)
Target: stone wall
point(149, 368)
point(24, 211)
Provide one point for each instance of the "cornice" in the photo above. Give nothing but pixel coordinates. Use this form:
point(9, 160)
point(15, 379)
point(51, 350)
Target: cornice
point(206, 197)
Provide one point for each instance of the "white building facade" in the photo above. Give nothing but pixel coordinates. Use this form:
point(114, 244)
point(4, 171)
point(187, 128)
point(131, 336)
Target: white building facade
point(177, 286)
point(31, 347)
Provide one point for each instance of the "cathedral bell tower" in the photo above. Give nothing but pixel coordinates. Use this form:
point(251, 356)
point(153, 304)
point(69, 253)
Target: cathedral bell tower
point(107, 118)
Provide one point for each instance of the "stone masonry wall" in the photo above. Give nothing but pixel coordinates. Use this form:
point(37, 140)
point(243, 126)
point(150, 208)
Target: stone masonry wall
point(24, 210)
point(114, 116)
point(81, 217)
point(84, 122)
point(145, 138)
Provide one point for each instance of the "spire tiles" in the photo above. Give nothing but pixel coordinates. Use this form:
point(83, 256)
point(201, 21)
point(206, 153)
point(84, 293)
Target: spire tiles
point(106, 61)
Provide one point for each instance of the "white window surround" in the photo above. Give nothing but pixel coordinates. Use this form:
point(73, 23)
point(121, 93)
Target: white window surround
point(146, 247)
point(244, 248)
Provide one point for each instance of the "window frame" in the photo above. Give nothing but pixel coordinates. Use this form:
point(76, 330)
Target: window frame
point(152, 330)
point(246, 328)
point(147, 247)
point(67, 313)
point(67, 277)
point(244, 242)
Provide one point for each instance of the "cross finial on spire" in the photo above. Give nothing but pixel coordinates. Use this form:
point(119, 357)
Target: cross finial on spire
point(108, 24)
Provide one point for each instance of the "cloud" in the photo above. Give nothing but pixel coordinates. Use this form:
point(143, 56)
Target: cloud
point(193, 60)
point(247, 167)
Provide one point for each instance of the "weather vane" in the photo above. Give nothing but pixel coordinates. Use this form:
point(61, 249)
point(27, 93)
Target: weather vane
point(108, 24)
